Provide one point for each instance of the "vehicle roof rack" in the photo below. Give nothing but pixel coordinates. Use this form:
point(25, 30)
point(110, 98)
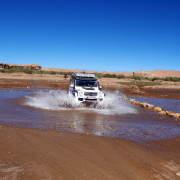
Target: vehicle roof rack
point(82, 75)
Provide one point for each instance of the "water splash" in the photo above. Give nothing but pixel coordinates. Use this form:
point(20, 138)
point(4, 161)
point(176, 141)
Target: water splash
point(60, 100)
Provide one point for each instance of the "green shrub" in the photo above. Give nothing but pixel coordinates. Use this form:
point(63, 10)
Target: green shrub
point(175, 79)
point(46, 72)
point(110, 75)
point(120, 76)
point(38, 72)
point(65, 76)
point(140, 83)
point(156, 78)
point(98, 75)
point(62, 73)
point(146, 78)
point(168, 79)
point(2, 70)
point(52, 72)
point(136, 77)
point(28, 71)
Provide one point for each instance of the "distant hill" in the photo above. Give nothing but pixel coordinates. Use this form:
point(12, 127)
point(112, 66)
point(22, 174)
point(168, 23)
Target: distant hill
point(149, 74)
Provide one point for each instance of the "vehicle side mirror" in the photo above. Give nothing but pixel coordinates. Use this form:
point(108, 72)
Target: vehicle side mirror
point(100, 87)
point(71, 85)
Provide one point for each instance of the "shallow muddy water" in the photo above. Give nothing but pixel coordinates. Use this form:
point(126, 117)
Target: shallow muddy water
point(166, 104)
point(45, 109)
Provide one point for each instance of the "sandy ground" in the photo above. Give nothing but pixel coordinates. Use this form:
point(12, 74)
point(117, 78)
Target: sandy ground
point(50, 154)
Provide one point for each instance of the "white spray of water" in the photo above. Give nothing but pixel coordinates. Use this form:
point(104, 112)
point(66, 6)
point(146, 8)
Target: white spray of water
point(60, 100)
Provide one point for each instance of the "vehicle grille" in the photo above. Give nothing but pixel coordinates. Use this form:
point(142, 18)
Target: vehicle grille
point(90, 99)
point(90, 93)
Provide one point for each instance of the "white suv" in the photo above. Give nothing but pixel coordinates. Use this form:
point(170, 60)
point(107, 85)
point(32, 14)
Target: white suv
point(85, 88)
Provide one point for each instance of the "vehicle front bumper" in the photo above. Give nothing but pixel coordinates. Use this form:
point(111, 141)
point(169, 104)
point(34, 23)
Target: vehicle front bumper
point(90, 99)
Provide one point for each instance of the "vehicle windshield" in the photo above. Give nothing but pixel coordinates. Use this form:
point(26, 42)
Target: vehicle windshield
point(86, 83)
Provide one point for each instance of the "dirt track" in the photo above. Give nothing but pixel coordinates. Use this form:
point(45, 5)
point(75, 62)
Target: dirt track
point(49, 154)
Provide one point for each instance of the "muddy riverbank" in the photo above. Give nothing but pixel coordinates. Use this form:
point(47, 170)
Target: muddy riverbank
point(49, 154)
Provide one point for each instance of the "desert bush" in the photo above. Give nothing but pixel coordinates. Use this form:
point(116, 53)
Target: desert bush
point(52, 72)
point(63, 73)
point(38, 72)
point(156, 78)
point(120, 76)
point(65, 76)
point(28, 71)
point(98, 75)
point(140, 83)
point(168, 79)
point(46, 72)
point(110, 75)
point(136, 77)
point(2, 70)
point(70, 73)
point(146, 78)
point(14, 69)
point(175, 79)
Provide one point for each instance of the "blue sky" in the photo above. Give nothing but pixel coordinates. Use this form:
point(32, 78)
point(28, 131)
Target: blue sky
point(102, 35)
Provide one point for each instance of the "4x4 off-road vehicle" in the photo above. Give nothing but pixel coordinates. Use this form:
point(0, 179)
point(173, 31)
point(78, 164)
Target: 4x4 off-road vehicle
point(85, 88)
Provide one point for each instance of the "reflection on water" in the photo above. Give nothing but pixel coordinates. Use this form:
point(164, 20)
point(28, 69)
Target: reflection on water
point(113, 118)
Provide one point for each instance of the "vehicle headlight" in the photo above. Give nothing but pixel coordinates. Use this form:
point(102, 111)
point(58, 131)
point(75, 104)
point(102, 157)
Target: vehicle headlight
point(101, 94)
point(80, 93)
